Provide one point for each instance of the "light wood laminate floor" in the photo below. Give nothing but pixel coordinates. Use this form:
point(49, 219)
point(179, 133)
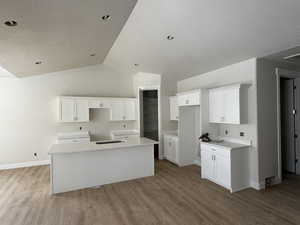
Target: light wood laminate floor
point(175, 196)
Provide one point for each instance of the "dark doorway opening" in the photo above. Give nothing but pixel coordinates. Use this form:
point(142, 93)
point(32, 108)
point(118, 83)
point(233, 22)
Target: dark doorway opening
point(149, 117)
point(290, 125)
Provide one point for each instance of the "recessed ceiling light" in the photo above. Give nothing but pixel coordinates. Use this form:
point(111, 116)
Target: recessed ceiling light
point(170, 37)
point(11, 23)
point(106, 17)
point(38, 62)
point(94, 54)
point(136, 64)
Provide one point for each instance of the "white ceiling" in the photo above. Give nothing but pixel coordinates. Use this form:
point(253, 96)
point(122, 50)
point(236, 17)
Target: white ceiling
point(5, 73)
point(208, 34)
point(293, 56)
point(60, 33)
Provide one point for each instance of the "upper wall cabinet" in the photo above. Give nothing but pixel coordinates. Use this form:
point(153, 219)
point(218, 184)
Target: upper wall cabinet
point(225, 105)
point(174, 110)
point(99, 103)
point(123, 110)
point(73, 110)
point(76, 109)
point(189, 98)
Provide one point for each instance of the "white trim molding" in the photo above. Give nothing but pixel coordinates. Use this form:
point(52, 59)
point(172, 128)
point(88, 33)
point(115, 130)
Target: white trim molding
point(197, 162)
point(24, 164)
point(258, 186)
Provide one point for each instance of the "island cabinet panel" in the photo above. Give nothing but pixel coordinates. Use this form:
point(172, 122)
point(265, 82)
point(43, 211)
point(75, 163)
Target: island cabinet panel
point(73, 171)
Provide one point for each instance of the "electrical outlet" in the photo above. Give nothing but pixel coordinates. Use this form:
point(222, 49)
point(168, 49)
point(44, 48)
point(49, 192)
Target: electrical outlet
point(226, 132)
point(35, 155)
point(124, 125)
point(242, 134)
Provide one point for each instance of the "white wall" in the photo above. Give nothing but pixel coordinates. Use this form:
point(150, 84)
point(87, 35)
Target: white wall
point(267, 116)
point(28, 108)
point(243, 72)
point(145, 80)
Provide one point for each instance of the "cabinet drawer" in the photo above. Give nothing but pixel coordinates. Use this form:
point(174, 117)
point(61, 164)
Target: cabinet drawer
point(217, 150)
point(221, 151)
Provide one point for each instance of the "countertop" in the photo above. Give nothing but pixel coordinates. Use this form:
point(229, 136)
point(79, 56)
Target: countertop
point(228, 145)
point(92, 146)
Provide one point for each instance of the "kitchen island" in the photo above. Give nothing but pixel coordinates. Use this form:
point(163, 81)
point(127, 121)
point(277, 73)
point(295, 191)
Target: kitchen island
point(82, 165)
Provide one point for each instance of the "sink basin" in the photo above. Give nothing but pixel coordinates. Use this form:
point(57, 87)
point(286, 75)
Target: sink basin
point(108, 142)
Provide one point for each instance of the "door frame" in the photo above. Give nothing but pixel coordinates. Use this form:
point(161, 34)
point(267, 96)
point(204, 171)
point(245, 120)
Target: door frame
point(281, 73)
point(152, 88)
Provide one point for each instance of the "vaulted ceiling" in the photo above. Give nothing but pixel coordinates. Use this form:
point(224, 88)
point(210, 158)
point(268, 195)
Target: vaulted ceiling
point(54, 35)
point(208, 34)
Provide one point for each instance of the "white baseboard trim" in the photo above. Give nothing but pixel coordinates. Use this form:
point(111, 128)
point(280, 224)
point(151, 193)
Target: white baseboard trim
point(197, 162)
point(276, 180)
point(258, 186)
point(24, 164)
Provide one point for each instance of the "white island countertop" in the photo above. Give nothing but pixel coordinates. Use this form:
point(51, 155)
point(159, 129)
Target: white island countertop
point(92, 146)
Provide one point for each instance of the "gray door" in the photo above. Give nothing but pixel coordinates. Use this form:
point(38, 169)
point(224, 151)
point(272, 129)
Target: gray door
point(297, 123)
point(288, 140)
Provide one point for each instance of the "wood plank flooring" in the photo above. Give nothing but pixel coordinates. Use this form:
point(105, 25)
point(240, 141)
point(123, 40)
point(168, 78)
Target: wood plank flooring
point(175, 196)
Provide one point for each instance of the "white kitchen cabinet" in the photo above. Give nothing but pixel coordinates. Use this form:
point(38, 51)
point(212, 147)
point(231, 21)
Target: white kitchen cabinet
point(225, 105)
point(99, 103)
point(174, 110)
point(171, 151)
point(76, 109)
point(117, 111)
point(123, 110)
point(67, 110)
point(130, 110)
point(225, 166)
point(73, 110)
point(189, 98)
point(82, 111)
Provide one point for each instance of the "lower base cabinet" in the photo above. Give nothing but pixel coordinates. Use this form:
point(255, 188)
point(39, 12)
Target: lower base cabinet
point(171, 152)
point(225, 166)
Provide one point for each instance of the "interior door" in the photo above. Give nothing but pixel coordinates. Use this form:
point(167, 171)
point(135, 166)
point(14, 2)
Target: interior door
point(297, 123)
point(287, 125)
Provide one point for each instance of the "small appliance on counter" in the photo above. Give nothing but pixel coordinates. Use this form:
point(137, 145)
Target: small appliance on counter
point(73, 137)
point(205, 137)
